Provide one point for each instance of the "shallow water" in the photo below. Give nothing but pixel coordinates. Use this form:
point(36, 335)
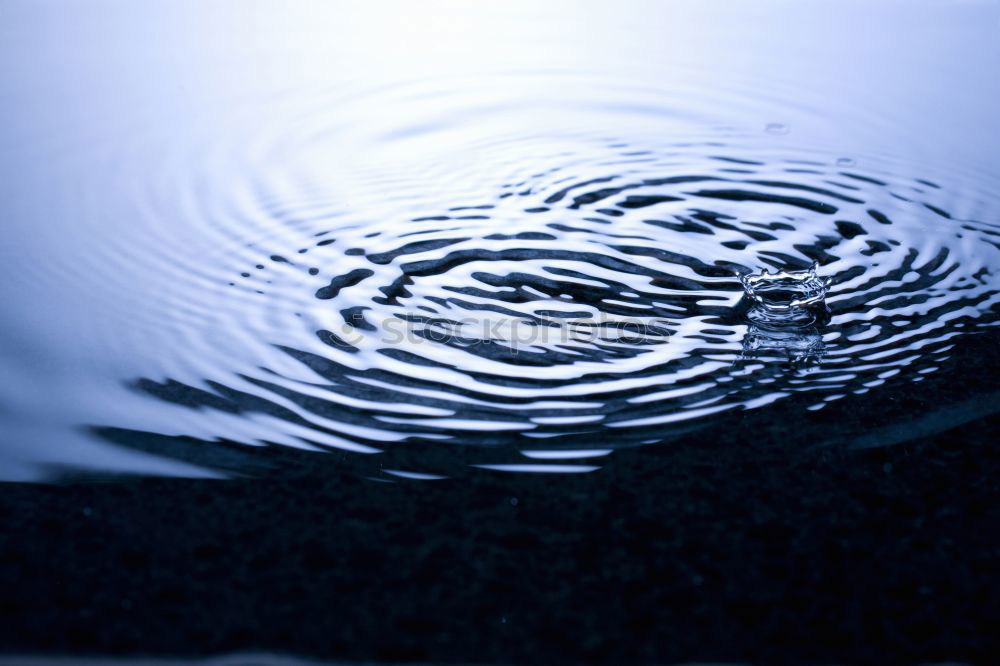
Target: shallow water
point(520, 229)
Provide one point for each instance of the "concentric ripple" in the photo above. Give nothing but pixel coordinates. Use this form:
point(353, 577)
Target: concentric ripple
point(327, 238)
point(595, 296)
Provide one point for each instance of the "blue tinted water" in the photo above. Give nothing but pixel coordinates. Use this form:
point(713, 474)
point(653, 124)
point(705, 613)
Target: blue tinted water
point(348, 227)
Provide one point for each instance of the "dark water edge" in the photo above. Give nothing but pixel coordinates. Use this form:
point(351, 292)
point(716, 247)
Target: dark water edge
point(739, 547)
point(706, 553)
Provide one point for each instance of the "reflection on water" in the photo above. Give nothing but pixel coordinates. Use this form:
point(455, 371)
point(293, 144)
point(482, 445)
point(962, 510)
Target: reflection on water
point(798, 346)
point(527, 257)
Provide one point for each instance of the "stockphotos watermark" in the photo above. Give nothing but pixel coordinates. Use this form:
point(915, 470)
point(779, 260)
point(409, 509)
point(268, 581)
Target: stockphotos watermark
point(515, 332)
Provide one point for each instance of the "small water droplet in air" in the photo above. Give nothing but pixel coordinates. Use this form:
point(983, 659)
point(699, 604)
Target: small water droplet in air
point(776, 128)
point(513, 501)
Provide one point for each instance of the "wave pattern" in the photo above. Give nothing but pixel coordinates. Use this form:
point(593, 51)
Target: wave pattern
point(594, 297)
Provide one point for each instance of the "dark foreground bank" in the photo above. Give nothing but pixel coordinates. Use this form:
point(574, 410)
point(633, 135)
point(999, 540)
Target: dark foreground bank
point(697, 551)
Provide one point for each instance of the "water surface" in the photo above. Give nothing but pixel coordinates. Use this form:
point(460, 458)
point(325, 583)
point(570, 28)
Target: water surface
point(510, 230)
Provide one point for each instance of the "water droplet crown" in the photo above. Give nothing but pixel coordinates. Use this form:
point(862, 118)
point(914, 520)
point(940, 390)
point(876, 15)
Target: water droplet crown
point(785, 291)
